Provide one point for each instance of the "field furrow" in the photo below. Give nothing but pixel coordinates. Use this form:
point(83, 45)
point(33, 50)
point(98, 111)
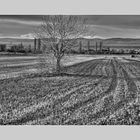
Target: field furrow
point(84, 93)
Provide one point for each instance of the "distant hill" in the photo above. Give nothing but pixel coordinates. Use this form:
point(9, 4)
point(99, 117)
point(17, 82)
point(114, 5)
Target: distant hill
point(114, 42)
point(110, 42)
point(16, 41)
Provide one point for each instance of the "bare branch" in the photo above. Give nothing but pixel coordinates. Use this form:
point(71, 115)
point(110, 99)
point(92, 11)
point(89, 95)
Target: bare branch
point(60, 32)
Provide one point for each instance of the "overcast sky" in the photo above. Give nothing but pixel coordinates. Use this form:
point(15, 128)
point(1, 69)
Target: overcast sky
point(105, 26)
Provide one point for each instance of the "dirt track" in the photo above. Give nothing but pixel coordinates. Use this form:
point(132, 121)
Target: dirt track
point(85, 93)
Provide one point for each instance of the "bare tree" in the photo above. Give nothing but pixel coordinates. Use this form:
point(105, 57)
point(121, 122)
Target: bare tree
point(60, 33)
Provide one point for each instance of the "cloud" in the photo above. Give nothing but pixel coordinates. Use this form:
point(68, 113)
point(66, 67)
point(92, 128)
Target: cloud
point(109, 31)
point(104, 26)
point(27, 36)
point(121, 21)
point(9, 21)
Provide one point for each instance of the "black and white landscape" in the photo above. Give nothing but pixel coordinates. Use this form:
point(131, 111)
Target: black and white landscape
point(69, 70)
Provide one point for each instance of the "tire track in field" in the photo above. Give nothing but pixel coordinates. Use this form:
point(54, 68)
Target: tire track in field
point(111, 88)
point(132, 89)
point(133, 70)
point(134, 74)
point(111, 109)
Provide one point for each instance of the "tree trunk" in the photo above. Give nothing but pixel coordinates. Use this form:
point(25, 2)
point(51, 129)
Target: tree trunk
point(58, 66)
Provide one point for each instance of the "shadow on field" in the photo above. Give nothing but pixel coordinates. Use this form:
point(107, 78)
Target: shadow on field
point(75, 75)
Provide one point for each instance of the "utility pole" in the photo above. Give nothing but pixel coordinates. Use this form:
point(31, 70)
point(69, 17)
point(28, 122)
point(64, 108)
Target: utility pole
point(39, 45)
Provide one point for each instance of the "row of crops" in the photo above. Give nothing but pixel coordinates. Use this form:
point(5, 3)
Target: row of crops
point(98, 91)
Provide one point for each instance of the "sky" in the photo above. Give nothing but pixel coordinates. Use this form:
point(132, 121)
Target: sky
point(102, 26)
